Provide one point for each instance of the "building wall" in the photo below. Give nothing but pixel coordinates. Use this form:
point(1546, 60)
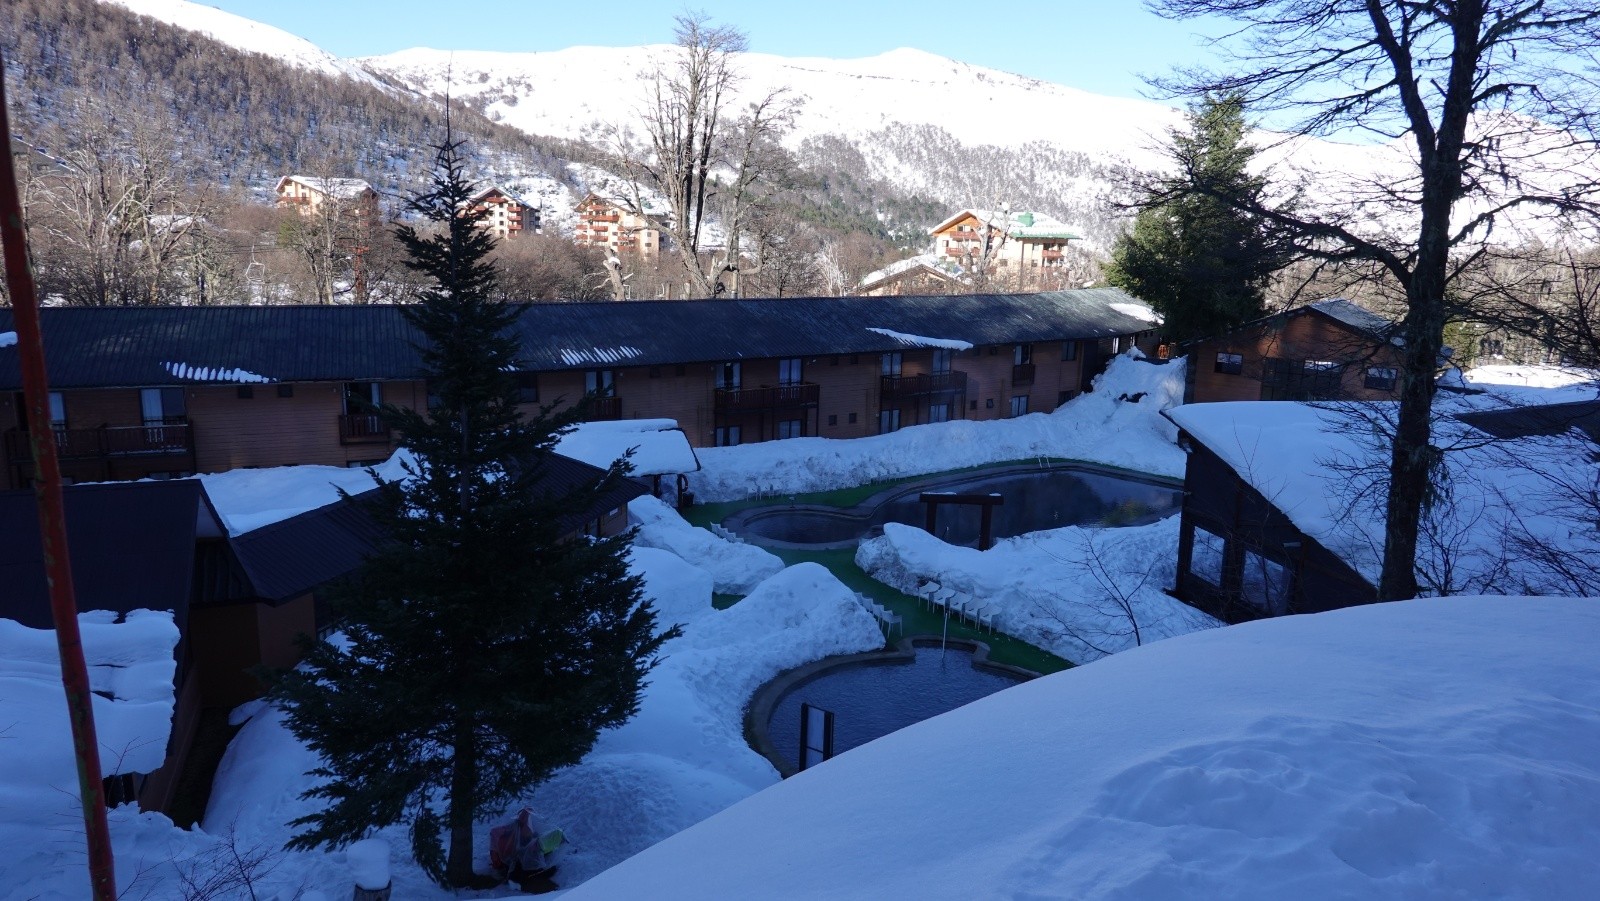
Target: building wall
point(1307, 336)
point(160, 787)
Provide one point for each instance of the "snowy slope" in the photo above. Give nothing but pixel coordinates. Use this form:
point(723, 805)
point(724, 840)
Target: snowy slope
point(247, 35)
point(1426, 749)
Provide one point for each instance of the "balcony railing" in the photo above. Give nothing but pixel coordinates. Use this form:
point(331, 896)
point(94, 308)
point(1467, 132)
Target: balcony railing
point(605, 409)
point(892, 386)
point(363, 428)
point(783, 397)
point(109, 441)
point(1022, 374)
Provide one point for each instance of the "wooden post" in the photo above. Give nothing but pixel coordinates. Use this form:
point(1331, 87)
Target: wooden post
point(986, 530)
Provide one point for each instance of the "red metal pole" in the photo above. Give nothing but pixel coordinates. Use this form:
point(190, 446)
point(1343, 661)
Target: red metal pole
point(52, 524)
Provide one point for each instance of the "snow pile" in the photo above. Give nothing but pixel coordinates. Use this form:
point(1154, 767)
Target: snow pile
point(1521, 385)
point(213, 374)
point(8, 339)
point(919, 341)
point(1105, 426)
point(1425, 749)
point(1079, 593)
point(1501, 505)
point(659, 446)
point(736, 568)
point(248, 499)
point(131, 668)
point(680, 760)
point(599, 355)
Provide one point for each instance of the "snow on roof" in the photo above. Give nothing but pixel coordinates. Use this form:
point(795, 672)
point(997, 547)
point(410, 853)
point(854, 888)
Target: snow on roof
point(927, 262)
point(1017, 225)
point(213, 373)
point(1139, 311)
point(1324, 467)
point(131, 668)
point(1354, 316)
point(599, 355)
point(659, 446)
point(919, 341)
point(248, 499)
point(1389, 751)
point(341, 188)
point(509, 194)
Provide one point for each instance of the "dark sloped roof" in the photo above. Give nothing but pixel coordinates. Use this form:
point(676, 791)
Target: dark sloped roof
point(142, 346)
point(1546, 419)
point(1338, 309)
point(293, 556)
point(132, 546)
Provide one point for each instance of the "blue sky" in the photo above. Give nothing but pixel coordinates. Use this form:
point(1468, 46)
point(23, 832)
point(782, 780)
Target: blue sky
point(1096, 45)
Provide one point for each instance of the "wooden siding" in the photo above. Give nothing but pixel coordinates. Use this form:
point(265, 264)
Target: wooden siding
point(1307, 336)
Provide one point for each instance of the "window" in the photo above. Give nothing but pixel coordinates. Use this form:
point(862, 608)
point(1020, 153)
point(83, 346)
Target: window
point(359, 395)
point(728, 375)
point(941, 361)
point(890, 363)
point(790, 371)
point(1019, 405)
point(527, 387)
point(1069, 351)
point(160, 406)
point(58, 410)
point(727, 436)
point(833, 419)
point(888, 421)
point(1288, 379)
point(1205, 558)
point(938, 412)
point(972, 405)
point(1022, 353)
point(1230, 364)
point(1065, 396)
point(1264, 584)
point(602, 382)
point(852, 419)
point(286, 391)
point(1116, 345)
point(1381, 378)
point(988, 403)
point(791, 428)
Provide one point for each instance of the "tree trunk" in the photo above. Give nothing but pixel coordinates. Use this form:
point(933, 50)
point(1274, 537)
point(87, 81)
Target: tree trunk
point(1411, 459)
point(463, 798)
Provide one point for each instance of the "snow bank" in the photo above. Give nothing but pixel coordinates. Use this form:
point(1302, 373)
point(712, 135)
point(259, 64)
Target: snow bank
point(1076, 592)
point(8, 339)
point(248, 499)
point(659, 446)
point(1104, 426)
point(1425, 749)
point(680, 760)
point(131, 668)
point(737, 568)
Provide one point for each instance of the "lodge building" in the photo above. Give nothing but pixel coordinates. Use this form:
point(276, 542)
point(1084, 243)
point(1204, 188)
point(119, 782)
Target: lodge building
point(169, 391)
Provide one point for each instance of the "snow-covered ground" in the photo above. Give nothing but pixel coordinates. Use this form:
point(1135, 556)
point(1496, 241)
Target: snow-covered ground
point(1101, 427)
point(1078, 592)
point(734, 568)
point(1439, 748)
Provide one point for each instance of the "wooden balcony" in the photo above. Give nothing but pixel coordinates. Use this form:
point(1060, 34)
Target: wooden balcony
point(362, 428)
point(1022, 374)
point(603, 217)
point(605, 409)
point(109, 441)
point(898, 386)
point(753, 400)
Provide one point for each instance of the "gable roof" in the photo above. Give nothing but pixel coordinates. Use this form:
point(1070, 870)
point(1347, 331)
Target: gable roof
point(148, 346)
point(1020, 224)
point(508, 193)
point(132, 546)
point(341, 188)
point(923, 264)
point(1347, 314)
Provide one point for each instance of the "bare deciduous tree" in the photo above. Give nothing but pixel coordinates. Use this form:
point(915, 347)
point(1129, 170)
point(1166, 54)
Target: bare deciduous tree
point(1493, 102)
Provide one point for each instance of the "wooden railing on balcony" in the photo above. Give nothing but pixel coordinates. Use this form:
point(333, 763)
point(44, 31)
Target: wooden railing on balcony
point(109, 441)
point(1022, 374)
point(362, 428)
point(892, 386)
point(603, 217)
point(605, 409)
point(783, 397)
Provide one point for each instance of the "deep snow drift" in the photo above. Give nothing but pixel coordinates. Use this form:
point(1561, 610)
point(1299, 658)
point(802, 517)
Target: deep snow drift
point(1101, 427)
point(1439, 748)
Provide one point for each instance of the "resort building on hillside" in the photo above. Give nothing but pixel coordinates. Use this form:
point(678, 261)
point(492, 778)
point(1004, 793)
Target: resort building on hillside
point(505, 213)
point(168, 391)
point(308, 193)
point(615, 226)
point(1328, 350)
point(925, 274)
point(1020, 250)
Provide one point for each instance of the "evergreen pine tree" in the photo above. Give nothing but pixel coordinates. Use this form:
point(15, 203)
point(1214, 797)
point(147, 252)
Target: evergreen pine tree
point(1192, 254)
point(484, 650)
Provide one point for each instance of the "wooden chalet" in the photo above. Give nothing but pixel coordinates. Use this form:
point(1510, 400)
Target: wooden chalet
point(158, 392)
point(1328, 350)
